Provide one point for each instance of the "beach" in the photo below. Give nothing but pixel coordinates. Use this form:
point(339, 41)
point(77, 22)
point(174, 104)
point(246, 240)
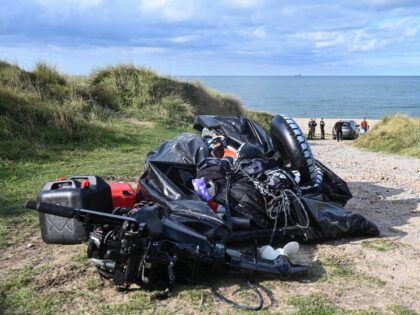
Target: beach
point(329, 124)
point(386, 189)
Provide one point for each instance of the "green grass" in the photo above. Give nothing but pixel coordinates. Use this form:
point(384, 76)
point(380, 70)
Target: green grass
point(393, 134)
point(139, 302)
point(380, 245)
point(122, 153)
point(80, 256)
point(344, 270)
point(401, 310)
point(313, 304)
point(318, 304)
point(18, 296)
point(20, 292)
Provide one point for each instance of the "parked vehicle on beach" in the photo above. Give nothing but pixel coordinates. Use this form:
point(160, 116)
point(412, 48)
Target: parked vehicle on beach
point(350, 129)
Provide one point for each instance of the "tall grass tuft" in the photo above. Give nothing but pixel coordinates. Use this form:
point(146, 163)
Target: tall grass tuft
point(124, 87)
point(44, 108)
point(142, 93)
point(393, 134)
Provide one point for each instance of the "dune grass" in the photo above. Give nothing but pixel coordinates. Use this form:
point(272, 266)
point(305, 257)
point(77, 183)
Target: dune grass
point(128, 88)
point(397, 134)
point(43, 108)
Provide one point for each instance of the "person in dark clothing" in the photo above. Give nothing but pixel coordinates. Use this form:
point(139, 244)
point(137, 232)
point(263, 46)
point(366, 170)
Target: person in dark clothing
point(322, 126)
point(339, 130)
point(314, 124)
point(310, 135)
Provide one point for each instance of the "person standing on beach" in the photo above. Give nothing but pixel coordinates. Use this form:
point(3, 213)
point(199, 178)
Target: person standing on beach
point(364, 124)
point(322, 126)
point(339, 130)
point(314, 124)
point(310, 128)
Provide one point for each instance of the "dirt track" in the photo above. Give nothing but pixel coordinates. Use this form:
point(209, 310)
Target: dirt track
point(386, 190)
point(351, 273)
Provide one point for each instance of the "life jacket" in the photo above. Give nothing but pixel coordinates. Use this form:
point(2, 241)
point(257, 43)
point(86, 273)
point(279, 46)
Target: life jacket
point(229, 153)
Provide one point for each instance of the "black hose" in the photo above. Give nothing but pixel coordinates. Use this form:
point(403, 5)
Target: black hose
point(252, 286)
point(51, 208)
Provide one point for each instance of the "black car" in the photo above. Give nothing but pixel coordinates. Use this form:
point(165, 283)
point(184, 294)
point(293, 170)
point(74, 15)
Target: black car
point(350, 130)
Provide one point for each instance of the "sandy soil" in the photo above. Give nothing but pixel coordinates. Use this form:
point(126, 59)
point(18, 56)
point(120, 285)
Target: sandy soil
point(386, 190)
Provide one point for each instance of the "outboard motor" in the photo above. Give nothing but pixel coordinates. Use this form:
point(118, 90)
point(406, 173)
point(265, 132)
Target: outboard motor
point(149, 247)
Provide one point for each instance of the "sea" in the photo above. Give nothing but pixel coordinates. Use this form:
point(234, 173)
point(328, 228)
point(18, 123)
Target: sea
point(322, 96)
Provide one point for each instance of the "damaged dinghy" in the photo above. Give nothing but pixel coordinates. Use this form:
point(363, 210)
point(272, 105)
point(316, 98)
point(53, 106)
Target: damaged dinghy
point(275, 188)
point(198, 198)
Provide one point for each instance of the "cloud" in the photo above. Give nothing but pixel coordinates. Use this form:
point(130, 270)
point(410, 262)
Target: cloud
point(183, 39)
point(68, 4)
point(372, 37)
point(392, 4)
point(170, 10)
point(246, 3)
point(259, 32)
point(240, 34)
point(410, 31)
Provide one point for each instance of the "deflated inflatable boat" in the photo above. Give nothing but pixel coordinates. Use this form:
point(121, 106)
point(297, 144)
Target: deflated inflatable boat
point(199, 197)
point(274, 182)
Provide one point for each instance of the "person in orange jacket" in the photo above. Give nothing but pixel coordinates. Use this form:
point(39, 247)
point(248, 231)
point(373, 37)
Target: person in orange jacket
point(364, 124)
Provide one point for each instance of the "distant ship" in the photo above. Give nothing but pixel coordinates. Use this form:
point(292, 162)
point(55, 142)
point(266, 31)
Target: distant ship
point(298, 75)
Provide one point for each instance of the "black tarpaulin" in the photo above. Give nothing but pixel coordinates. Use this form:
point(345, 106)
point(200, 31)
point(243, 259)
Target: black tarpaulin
point(329, 221)
point(167, 180)
point(186, 148)
point(170, 168)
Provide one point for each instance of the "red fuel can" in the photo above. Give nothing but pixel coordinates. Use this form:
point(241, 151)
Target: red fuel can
point(123, 195)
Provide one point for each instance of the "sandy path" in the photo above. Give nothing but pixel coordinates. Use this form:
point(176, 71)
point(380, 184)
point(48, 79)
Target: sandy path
point(386, 190)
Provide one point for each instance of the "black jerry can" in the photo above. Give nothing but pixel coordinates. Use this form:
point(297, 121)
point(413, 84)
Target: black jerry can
point(86, 192)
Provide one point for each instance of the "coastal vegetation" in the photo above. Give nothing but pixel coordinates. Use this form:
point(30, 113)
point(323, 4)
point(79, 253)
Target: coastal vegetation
point(398, 134)
point(44, 109)
point(54, 125)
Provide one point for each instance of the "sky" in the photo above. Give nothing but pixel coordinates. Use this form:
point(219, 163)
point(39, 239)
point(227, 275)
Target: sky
point(215, 37)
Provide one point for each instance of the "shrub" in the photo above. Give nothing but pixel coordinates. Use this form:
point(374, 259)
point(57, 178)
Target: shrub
point(125, 86)
point(393, 134)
